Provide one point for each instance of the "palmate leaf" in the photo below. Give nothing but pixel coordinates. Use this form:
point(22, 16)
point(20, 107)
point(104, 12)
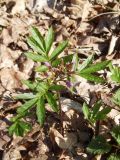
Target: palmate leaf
point(114, 156)
point(35, 45)
point(52, 101)
point(36, 57)
point(49, 38)
point(27, 105)
point(95, 67)
point(19, 128)
point(40, 110)
point(58, 50)
point(98, 145)
point(116, 133)
point(36, 35)
point(92, 78)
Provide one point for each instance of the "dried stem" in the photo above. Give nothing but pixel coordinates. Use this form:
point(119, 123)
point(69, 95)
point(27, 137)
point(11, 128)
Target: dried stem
point(60, 113)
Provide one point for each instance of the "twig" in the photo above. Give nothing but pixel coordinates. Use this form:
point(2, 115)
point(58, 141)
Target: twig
point(116, 146)
point(102, 14)
point(61, 115)
point(97, 127)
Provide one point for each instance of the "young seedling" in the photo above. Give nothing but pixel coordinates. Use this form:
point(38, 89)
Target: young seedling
point(55, 75)
point(99, 144)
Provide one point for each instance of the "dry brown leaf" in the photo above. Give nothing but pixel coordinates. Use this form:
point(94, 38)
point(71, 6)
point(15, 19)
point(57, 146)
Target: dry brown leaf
point(3, 22)
point(8, 57)
point(9, 79)
point(19, 6)
point(112, 44)
point(84, 27)
point(86, 10)
point(67, 22)
point(6, 36)
point(79, 9)
point(67, 142)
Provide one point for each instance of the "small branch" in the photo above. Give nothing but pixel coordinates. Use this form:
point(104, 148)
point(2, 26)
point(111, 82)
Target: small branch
point(61, 114)
point(116, 147)
point(97, 127)
point(102, 14)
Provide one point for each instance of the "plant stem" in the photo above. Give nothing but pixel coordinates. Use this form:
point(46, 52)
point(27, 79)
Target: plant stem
point(60, 113)
point(116, 147)
point(97, 128)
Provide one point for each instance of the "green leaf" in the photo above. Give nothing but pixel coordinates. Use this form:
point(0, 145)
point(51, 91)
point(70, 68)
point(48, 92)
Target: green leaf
point(98, 145)
point(75, 62)
point(115, 73)
point(41, 68)
point(58, 50)
point(67, 58)
point(35, 45)
point(56, 62)
point(92, 78)
point(19, 116)
point(57, 87)
point(49, 39)
point(40, 110)
point(96, 108)
point(86, 111)
point(27, 105)
point(114, 156)
point(52, 101)
point(13, 128)
point(30, 84)
point(94, 68)
point(116, 133)
point(116, 97)
point(38, 38)
point(25, 96)
point(86, 63)
point(36, 57)
point(19, 128)
point(42, 87)
point(101, 115)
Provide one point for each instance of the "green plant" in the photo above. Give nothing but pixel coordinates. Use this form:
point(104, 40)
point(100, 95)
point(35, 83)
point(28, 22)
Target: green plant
point(116, 97)
point(98, 144)
point(95, 113)
point(55, 74)
point(115, 73)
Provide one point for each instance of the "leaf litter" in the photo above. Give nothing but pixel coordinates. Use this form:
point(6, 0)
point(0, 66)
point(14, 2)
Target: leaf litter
point(88, 30)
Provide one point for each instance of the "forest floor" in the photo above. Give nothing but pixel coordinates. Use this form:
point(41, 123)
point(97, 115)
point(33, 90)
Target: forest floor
point(91, 27)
